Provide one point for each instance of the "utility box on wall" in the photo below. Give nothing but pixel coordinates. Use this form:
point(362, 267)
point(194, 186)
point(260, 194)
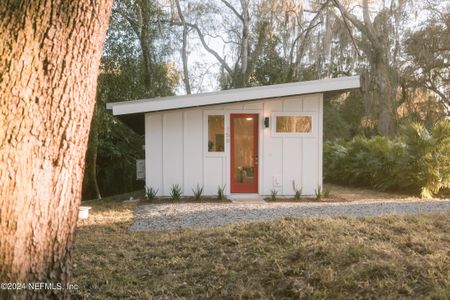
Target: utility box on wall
point(140, 169)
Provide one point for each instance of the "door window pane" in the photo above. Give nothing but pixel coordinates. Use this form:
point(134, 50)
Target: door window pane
point(216, 133)
point(244, 150)
point(294, 124)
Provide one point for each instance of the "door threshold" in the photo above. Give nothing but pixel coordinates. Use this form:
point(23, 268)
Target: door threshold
point(245, 198)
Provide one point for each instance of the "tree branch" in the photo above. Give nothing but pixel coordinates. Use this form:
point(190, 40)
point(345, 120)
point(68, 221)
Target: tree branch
point(357, 23)
point(431, 86)
point(184, 55)
point(351, 36)
point(366, 18)
point(307, 30)
point(130, 21)
point(233, 9)
point(205, 45)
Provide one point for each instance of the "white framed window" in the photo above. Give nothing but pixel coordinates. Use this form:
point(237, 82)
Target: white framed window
point(292, 124)
point(215, 133)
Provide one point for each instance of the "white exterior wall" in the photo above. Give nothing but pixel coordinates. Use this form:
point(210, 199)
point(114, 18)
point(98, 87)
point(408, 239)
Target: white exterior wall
point(176, 148)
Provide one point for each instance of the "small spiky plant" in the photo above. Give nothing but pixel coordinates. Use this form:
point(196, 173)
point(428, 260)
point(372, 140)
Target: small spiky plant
point(326, 193)
point(221, 192)
point(175, 192)
point(151, 193)
point(198, 191)
point(273, 194)
point(297, 191)
point(318, 192)
point(321, 192)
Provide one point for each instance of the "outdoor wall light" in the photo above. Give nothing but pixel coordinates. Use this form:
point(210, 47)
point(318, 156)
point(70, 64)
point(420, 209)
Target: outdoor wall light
point(266, 122)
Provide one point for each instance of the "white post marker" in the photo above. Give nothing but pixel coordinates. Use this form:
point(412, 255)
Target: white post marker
point(83, 212)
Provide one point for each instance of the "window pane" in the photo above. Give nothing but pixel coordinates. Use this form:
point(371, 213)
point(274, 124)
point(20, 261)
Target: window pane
point(244, 150)
point(216, 133)
point(294, 123)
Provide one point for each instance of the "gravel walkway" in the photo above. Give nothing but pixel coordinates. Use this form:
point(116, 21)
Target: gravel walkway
point(190, 215)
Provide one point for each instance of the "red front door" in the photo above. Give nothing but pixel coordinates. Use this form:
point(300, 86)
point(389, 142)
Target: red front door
point(244, 153)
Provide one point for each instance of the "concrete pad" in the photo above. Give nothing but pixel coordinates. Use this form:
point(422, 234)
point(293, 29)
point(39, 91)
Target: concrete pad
point(245, 198)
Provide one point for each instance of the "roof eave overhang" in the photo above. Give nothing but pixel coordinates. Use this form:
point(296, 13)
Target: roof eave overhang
point(237, 95)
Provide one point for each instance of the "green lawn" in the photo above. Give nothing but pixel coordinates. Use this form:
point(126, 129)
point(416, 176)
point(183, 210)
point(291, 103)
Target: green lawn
point(382, 257)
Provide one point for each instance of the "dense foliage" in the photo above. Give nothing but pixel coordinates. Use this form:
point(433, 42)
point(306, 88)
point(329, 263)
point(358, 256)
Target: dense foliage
point(132, 67)
point(118, 149)
point(417, 161)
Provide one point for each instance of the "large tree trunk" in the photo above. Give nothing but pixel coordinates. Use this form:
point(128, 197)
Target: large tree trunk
point(385, 81)
point(49, 57)
point(386, 87)
point(376, 47)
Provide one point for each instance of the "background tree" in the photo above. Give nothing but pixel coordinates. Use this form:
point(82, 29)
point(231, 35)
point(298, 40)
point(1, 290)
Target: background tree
point(428, 51)
point(243, 36)
point(382, 79)
point(183, 51)
point(258, 42)
point(125, 75)
point(49, 58)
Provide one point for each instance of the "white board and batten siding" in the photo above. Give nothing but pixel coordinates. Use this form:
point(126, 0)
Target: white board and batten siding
point(176, 147)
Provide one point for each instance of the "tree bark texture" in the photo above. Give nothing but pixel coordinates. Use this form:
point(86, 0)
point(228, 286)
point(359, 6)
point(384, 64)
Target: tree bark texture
point(49, 58)
point(385, 83)
point(144, 39)
point(383, 77)
point(90, 186)
point(92, 189)
point(184, 55)
point(243, 76)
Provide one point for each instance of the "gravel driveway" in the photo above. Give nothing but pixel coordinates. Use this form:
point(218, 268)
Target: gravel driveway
point(189, 215)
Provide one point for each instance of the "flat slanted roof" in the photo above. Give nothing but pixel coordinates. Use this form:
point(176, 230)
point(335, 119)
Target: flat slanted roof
point(131, 112)
point(235, 95)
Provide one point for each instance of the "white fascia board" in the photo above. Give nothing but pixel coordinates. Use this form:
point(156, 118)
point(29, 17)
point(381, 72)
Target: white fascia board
point(235, 95)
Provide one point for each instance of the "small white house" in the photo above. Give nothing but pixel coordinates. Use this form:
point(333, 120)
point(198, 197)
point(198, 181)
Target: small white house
point(250, 140)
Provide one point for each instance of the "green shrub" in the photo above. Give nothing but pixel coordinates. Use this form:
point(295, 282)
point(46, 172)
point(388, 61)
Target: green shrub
point(417, 161)
point(318, 192)
point(273, 194)
point(151, 193)
point(430, 151)
point(175, 192)
point(198, 191)
point(321, 192)
point(221, 192)
point(297, 191)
